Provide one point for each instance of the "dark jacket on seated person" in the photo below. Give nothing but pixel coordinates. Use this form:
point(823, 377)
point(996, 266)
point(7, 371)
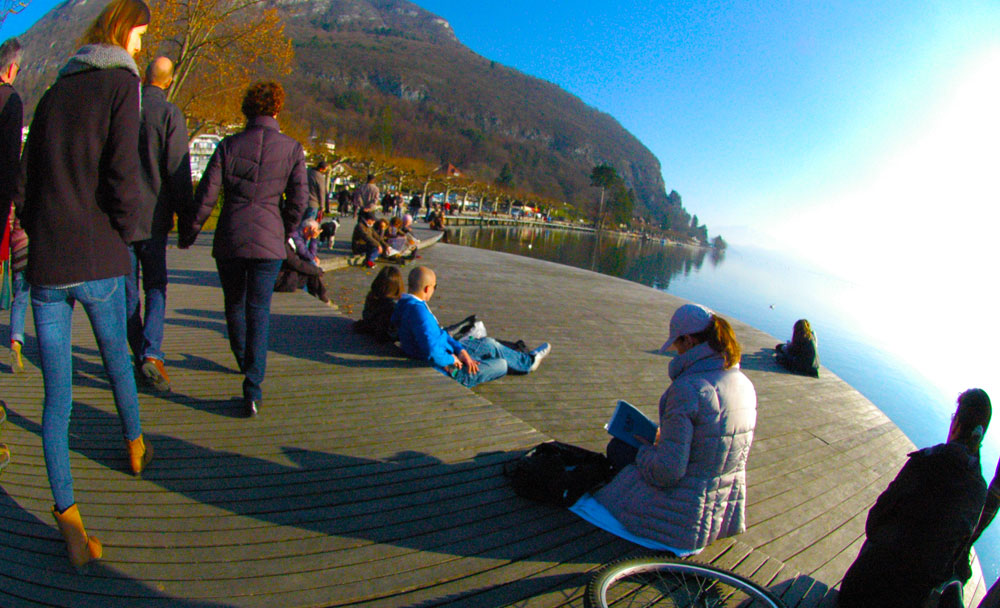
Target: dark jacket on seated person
point(297, 273)
point(917, 529)
point(800, 357)
point(376, 318)
point(364, 238)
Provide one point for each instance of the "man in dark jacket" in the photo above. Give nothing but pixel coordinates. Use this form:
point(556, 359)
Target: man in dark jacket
point(919, 531)
point(11, 121)
point(165, 189)
point(365, 242)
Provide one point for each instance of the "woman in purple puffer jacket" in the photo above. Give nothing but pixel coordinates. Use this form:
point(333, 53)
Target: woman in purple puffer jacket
point(262, 175)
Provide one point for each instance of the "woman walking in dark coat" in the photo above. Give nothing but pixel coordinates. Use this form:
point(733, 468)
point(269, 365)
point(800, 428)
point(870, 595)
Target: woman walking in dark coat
point(82, 196)
point(262, 174)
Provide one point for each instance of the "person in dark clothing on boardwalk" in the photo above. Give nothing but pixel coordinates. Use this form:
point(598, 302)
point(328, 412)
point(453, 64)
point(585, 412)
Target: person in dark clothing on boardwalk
point(919, 527)
point(365, 241)
point(800, 354)
point(165, 189)
point(376, 318)
point(81, 209)
point(262, 175)
point(11, 121)
point(301, 268)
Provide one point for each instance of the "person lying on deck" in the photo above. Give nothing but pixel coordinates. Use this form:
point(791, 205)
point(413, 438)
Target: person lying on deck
point(471, 361)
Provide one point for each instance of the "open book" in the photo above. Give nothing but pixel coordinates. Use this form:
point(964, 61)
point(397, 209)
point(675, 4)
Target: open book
point(627, 421)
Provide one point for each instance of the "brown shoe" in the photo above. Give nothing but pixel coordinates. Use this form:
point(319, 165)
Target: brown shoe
point(140, 454)
point(16, 359)
point(153, 370)
point(81, 547)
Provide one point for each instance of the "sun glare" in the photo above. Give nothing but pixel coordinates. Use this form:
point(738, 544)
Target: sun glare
point(937, 191)
point(918, 236)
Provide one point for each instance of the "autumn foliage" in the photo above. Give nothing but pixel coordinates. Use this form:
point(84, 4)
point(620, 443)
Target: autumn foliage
point(218, 47)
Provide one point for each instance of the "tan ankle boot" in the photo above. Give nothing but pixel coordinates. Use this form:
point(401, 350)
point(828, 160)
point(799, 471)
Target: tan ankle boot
point(140, 454)
point(81, 547)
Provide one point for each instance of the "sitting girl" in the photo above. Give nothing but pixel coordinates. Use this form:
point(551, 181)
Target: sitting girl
point(800, 355)
point(400, 242)
point(688, 487)
point(379, 305)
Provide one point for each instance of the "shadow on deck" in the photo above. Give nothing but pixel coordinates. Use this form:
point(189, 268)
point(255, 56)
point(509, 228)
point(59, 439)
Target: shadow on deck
point(370, 480)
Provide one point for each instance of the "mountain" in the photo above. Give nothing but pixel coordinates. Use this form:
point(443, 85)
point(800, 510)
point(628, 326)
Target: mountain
point(391, 67)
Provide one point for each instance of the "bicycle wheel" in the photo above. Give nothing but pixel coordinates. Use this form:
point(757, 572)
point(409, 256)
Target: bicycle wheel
point(668, 583)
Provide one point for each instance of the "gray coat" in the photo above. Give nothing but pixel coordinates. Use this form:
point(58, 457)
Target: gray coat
point(690, 489)
point(262, 174)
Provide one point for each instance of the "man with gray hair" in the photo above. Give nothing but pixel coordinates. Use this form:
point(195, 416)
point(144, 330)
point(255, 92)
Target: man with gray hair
point(301, 266)
point(11, 121)
point(165, 189)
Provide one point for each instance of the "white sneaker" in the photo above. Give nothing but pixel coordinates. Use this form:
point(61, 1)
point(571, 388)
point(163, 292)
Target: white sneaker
point(539, 353)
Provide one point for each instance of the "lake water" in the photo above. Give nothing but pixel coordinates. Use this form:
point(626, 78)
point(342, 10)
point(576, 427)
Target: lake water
point(771, 291)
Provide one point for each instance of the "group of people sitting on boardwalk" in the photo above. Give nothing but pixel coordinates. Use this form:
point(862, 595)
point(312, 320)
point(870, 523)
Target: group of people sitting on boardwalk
point(390, 239)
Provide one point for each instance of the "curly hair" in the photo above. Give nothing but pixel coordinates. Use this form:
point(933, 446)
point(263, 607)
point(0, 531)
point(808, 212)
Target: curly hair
point(265, 98)
point(115, 22)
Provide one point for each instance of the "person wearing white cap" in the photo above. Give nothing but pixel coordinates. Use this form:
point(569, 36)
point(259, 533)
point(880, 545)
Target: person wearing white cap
point(688, 487)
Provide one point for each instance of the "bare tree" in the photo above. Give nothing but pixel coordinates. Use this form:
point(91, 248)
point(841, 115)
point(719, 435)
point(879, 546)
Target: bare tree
point(11, 7)
point(219, 47)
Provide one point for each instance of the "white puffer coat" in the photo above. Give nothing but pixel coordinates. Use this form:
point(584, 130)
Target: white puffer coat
point(690, 488)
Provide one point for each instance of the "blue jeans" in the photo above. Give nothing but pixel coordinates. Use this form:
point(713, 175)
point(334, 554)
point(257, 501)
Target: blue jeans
point(104, 302)
point(495, 360)
point(145, 332)
point(247, 286)
point(19, 305)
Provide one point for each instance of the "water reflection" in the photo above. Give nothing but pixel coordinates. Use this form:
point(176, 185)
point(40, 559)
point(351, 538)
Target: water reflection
point(648, 261)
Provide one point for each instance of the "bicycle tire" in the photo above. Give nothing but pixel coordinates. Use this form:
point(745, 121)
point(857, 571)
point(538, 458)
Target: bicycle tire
point(667, 582)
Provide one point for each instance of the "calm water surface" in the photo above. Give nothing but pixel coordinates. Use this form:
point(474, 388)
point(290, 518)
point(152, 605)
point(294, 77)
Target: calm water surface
point(768, 291)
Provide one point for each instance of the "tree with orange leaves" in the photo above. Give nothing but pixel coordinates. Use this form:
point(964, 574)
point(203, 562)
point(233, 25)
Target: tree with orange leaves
point(218, 47)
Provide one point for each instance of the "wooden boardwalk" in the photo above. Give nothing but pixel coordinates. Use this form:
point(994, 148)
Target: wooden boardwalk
point(369, 480)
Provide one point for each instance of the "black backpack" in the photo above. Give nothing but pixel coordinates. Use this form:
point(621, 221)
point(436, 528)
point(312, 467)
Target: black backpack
point(558, 473)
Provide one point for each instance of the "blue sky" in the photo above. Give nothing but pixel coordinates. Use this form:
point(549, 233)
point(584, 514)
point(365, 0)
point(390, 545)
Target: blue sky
point(784, 123)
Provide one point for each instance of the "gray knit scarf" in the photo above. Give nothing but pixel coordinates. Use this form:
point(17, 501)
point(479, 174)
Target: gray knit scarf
point(99, 57)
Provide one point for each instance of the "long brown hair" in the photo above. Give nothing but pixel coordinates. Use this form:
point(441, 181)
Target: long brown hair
point(720, 337)
point(115, 22)
point(388, 283)
point(802, 331)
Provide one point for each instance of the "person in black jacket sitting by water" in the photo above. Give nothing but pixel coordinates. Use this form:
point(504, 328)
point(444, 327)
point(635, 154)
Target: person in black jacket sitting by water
point(919, 531)
point(800, 355)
